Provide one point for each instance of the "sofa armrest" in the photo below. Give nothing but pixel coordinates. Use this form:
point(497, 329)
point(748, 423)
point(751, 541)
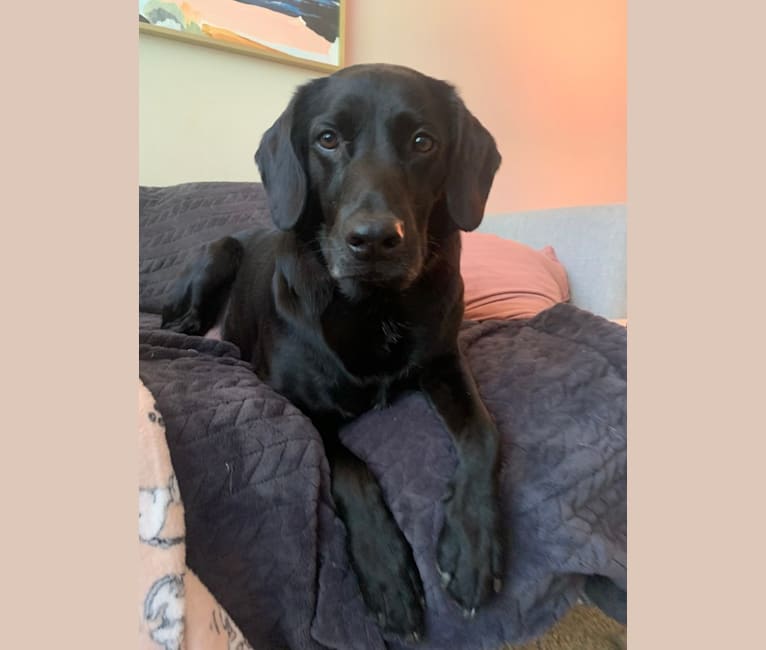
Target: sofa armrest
point(589, 241)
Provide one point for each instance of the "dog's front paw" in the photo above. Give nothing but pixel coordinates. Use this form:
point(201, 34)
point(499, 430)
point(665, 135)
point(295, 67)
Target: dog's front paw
point(469, 552)
point(389, 580)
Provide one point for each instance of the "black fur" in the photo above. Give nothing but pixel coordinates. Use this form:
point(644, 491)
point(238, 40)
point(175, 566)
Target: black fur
point(371, 173)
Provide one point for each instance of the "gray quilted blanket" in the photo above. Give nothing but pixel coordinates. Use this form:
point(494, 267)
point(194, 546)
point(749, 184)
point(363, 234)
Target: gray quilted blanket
point(261, 529)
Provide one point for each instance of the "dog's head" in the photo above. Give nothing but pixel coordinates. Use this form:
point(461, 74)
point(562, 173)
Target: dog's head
point(363, 163)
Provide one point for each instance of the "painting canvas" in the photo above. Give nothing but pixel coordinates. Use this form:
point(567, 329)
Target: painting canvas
point(307, 32)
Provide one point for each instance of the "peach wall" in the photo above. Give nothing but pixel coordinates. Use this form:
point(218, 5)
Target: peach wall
point(547, 77)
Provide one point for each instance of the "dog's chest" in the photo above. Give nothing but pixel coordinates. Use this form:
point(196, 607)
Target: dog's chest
point(370, 346)
point(358, 365)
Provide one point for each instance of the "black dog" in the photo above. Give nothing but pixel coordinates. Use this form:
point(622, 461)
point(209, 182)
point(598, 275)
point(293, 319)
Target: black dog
point(371, 173)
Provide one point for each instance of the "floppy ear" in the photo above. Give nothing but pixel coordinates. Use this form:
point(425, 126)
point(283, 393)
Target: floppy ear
point(282, 172)
point(473, 164)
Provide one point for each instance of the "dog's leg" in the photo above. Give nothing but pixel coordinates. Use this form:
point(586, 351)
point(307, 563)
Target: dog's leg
point(469, 551)
point(381, 557)
point(200, 294)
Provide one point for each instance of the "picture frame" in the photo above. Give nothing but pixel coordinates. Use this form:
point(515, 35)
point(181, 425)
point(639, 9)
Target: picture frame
point(306, 33)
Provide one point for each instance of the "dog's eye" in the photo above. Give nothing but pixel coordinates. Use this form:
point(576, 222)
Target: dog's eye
point(423, 143)
point(328, 139)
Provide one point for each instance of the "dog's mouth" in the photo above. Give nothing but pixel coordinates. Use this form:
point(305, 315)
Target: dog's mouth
point(373, 275)
point(361, 281)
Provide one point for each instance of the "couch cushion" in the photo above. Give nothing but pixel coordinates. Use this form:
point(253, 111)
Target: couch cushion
point(589, 241)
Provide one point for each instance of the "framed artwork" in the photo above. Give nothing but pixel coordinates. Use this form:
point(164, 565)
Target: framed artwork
point(308, 33)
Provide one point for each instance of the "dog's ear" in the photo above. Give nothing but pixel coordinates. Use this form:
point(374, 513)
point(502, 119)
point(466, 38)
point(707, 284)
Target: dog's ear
point(473, 163)
point(282, 171)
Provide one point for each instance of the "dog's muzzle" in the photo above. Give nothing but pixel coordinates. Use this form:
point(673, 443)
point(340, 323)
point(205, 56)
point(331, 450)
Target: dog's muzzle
point(372, 250)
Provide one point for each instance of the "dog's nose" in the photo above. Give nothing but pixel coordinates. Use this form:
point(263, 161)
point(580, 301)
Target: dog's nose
point(375, 238)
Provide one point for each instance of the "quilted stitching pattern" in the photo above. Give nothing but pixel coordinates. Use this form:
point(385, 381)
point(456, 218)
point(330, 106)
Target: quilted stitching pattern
point(262, 533)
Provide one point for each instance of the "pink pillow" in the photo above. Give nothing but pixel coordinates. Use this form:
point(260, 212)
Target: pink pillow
point(505, 279)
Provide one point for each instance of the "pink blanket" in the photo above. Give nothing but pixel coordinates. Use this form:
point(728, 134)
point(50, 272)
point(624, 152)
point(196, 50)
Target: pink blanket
point(176, 611)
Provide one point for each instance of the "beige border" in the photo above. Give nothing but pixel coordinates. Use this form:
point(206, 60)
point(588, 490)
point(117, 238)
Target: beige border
point(696, 182)
point(251, 51)
point(69, 295)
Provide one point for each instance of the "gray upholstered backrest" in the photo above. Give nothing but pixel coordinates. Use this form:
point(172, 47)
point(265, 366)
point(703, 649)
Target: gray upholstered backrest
point(589, 241)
